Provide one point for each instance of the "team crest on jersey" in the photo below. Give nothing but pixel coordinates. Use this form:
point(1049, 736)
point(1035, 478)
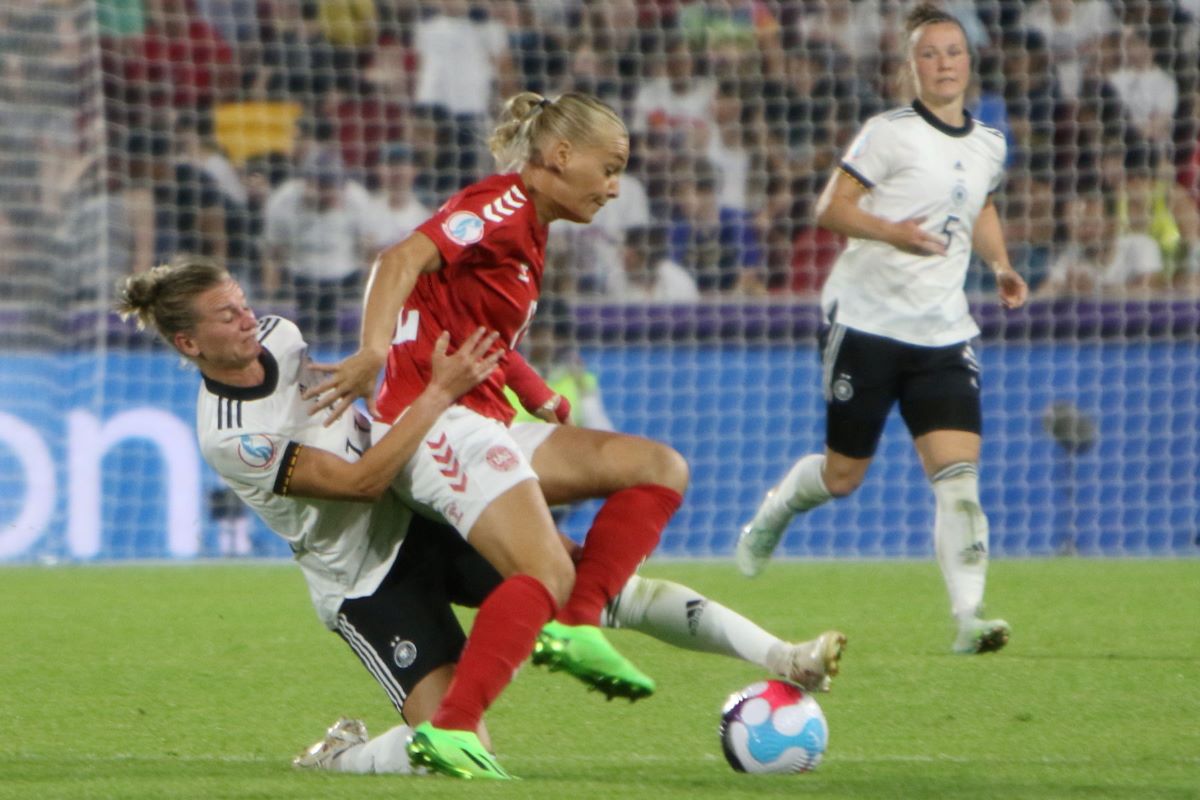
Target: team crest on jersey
point(453, 513)
point(463, 227)
point(501, 459)
point(958, 195)
point(404, 652)
point(256, 450)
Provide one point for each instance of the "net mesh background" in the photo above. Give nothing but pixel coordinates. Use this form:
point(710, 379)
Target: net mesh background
point(295, 138)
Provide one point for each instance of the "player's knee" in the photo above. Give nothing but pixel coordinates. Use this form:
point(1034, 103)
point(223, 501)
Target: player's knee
point(841, 483)
point(556, 573)
point(665, 466)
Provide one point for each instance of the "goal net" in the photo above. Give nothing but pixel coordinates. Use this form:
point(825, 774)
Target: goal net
point(294, 138)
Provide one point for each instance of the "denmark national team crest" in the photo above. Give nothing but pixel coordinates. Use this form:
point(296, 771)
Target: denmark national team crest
point(463, 227)
point(256, 450)
point(501, 459)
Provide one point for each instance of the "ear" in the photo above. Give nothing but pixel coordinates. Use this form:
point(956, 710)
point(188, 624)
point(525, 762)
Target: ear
point(559, 156)
point(186, 344)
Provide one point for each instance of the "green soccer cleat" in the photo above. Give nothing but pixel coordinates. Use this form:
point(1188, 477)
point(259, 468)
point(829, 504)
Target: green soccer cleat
point(583, 651)
point(981, 636)
point(458, 754)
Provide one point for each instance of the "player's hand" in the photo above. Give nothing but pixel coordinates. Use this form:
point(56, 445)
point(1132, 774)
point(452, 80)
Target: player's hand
point(468, 366)
point(909, 236)
point(1012, 288)
point(352, 378)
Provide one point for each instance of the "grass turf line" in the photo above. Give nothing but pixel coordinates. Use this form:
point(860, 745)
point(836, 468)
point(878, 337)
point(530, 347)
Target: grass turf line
point(175, 682)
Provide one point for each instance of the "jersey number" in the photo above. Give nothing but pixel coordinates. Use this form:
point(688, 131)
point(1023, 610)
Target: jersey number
point(409, 321)
point(948, 228)
point(406, 326)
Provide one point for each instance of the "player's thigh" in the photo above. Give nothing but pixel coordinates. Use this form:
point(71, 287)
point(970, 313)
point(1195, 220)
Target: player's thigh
point(406, 629)
point(940, 404)
point(464, 463)
point(579, 463)
point(860, 381)
point(516, 534)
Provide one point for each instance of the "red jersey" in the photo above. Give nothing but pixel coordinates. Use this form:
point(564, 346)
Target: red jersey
point(493, 252)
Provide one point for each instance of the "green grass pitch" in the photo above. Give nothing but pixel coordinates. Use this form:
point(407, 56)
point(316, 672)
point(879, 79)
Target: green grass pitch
point(203, 682)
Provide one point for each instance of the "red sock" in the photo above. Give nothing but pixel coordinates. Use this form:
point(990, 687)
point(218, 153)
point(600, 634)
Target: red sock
point(501, 638)
point(625, 531)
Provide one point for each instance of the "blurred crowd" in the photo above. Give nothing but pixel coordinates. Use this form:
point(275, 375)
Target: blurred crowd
point(293, 138)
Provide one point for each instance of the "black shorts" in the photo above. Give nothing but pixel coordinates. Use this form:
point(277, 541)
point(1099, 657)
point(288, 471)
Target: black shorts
point(406, 629)
point(864, 375)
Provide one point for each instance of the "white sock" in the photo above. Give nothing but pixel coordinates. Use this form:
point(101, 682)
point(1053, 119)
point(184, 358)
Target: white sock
point(384, 754)
point(800, 490)
point(684, 618)
point(960, 537)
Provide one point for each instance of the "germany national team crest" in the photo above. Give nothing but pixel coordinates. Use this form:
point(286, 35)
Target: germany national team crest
point(501, 459)
point(404, 652)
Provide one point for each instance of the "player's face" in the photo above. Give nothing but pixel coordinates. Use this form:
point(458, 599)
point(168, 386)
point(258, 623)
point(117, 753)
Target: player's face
point(592, 176)
point(941, 62)
point(225, 336)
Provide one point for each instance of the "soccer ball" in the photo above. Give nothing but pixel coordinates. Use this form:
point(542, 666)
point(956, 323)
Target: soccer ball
point(773, 726)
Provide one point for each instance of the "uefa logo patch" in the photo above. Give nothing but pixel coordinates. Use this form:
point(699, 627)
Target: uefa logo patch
point(501, 459)
point(404, 653)
point(463, 227)
point(256, 450)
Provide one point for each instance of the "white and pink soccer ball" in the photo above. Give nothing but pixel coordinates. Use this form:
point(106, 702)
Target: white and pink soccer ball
point(773, 726)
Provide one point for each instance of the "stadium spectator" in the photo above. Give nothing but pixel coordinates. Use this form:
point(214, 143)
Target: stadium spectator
point(293, 61)
point(1073, 30)
point(719, 247)
point(913, 195)
point(1098, 259)
point(481, 258)
point(1031, 89)
point(674, 100)
point(463, 61)
point(650, 275)
point(1150, 202)
point(1148, 92)
point(397, 209)
point(317, 231)
point(179, 60)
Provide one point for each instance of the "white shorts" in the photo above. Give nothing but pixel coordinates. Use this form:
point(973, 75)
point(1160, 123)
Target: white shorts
point(465, 461)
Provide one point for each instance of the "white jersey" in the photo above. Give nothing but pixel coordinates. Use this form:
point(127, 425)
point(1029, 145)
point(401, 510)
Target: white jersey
point(914, 165)
point(251, 435)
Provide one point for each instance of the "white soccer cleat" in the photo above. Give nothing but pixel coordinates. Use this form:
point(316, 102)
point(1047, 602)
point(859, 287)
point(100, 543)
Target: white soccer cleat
point(981, 636)
point(758, 539)
point(813, 664)
point(341, 736)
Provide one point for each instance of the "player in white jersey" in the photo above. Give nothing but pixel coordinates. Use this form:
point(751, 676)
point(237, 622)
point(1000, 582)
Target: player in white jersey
point(380, 577)
point(914, 197)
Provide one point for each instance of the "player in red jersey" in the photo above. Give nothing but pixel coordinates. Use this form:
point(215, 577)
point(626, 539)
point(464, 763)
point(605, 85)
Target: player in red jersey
point(479, 261)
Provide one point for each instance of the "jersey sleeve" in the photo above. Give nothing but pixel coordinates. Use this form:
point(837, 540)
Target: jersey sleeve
point(870, 157)
point(262, 460)
point(455, 228)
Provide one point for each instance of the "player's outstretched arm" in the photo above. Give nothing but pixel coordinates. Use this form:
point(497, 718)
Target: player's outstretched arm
point(321, 474)
point(393, 276)
point(531, 389)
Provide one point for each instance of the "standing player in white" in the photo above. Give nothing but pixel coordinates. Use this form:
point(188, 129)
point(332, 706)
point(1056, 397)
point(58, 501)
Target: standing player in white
point(380, 577)
point(914, 196)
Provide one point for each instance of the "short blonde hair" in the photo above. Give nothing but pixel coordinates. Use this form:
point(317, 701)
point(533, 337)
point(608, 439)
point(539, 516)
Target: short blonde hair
point(530, 120)
point(163, 296)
